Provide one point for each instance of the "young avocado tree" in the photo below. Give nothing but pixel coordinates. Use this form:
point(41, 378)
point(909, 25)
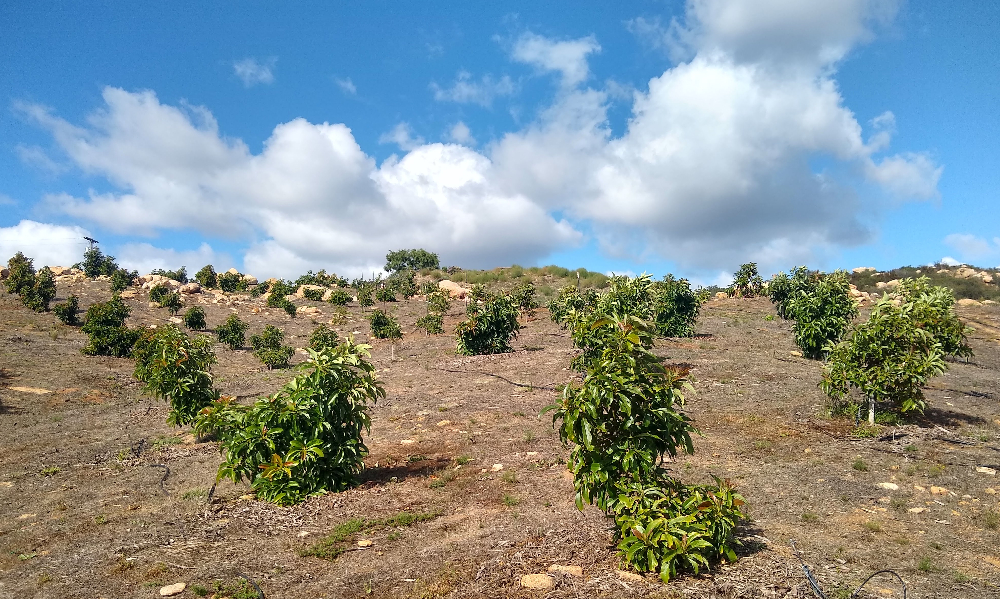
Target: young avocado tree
point(268, 349)
point(232, 332)
point(888, 359)
point(105, 327)
point(490, 324)
point(823, 312)
point(621, 421)
point(306, 439)
point(384, 326)
point(176, 368)
point(96, 264)
point(67, 311)
point(36, 290)
point(747, 282)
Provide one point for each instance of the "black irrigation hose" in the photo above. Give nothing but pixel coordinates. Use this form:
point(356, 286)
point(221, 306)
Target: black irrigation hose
point(260, 593)
point(166, 473)
point(819, 592)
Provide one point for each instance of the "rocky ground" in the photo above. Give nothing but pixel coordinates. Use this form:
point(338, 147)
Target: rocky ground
point(99, 497)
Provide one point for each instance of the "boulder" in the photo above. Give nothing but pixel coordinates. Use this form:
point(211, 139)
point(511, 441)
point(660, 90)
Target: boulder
point(71, 278)
point(59, 270)
point(986, 277)
point(190, 288)
point(454, 289)
point(154, 280)
point(129, 293)
point(861, 269)
point(4, 273)
point(966, 272)
point(301, 291)
point(721, 295)
point(308, 311)
point(250, 279)
point(968, 302)
point(233, 271)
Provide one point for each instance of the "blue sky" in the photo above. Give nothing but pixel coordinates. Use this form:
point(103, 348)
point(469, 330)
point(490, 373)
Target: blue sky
point(683, 137)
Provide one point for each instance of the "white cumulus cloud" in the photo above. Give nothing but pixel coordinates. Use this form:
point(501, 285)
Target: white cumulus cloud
point(567, 57)
point(972, 248)
point(466, 90)
point(460, 134)
point(46, 244)
point(346, 85)
point(253, 72)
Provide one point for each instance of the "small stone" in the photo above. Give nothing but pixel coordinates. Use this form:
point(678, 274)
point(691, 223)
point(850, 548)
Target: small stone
point(364, 543)
point(796, 354)
point(571, 570)
point(407, 441)
point(939, 491)
point(991, 491)
point(176, 319)
point(917, 510)
point(444, 423)
point(537, 581)
point(172, 589)
point(303, 534)
point(986, 470)
point(884, 499)
point(497, 467)
point(629, 576)
point(888, 486)
point(247, 497)
point(918, 488)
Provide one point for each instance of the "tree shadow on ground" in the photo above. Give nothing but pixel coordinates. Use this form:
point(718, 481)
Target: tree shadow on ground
point(934, 416)
point(411, 468)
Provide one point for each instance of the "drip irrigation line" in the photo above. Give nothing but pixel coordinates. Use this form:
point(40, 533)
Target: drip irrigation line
point(166, 473)
point(814, 584)
point(260, 593)
point(504, 379)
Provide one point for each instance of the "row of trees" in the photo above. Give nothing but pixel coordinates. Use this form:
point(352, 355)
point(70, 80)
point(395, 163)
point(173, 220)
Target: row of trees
point(888, 358)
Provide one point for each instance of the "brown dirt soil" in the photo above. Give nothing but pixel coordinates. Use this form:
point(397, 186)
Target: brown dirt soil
point(85, 510)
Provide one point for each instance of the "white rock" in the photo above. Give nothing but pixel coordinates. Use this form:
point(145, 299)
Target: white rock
point(888, 486)
point(986, 470)
point(571, 570)
point(861, 269)
point(497, 467)
point(537, 581)
point(967, 302)
point(250, 279)
point(172, 589)
point(233, 271)
point(629, 576)
point(190, 288)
